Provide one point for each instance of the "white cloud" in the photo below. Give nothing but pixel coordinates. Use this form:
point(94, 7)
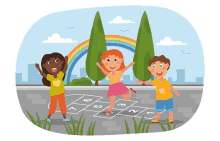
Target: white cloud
point(55, 38)
point(119, 20)
point(168, 41)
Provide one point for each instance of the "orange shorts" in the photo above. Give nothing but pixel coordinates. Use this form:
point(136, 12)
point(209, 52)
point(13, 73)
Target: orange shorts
point(53, 104)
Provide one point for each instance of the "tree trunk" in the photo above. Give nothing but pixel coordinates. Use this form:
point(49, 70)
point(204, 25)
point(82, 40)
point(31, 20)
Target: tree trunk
point(96, 83)
point(143, 83)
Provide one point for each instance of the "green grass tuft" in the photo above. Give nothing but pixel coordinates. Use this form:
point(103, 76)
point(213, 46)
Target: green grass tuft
point(67, 129)
point(169, 126)
point(168, 123)
point(138, 127)
point(142, 130)
point(135, 125)
point(164, 129)
point(38, 123)
point(71, 131)
point(78, 124)
point(81, 129)
point(93, 128)
point(88, 132)
point(127, 128)
point(78, 129)
point(31, 117)
point(147, 128)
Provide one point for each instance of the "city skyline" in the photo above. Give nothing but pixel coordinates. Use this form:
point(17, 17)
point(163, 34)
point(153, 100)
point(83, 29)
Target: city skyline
point(35, 78)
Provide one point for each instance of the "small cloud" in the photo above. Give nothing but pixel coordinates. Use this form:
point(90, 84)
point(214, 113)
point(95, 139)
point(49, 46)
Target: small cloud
point(167, 41)
point(55, 38)
point(119, 20)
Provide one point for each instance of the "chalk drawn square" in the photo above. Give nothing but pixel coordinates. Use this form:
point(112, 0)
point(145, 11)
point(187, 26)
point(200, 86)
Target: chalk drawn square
point(132, 111)
point(75, 108)
point(97, 106)
point(107, 115)
point(123, 104)
point(88, 99)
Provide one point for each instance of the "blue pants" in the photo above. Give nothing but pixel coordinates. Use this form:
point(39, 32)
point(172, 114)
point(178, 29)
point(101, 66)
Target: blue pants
point(168, 104)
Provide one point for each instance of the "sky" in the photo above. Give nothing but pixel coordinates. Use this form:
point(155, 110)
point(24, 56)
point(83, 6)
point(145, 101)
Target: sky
point(173, 36)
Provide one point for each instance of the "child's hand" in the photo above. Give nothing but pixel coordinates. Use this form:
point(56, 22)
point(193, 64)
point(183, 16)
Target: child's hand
point(37, 65)
point(132, 63)
point(177, 94)
point(66, 58)
point(138, 81)
point(98, 64)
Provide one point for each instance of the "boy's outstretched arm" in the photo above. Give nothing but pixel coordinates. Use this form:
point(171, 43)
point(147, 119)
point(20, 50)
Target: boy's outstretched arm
point(65, 67)
point(42, 73)
point(174, 91)
point(131, 64)
point(105, 72)
point(147, 82)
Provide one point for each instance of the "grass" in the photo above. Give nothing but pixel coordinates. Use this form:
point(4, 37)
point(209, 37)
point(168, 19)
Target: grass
point(77, 129)
point(139, 128)
point(169, 127)
point(38, 123)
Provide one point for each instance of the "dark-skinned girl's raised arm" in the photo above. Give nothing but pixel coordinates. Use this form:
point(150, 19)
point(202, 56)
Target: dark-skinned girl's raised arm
point(41, 72)
point(65, 67)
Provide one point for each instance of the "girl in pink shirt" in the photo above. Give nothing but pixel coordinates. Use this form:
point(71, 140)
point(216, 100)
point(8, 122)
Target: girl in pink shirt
point(112, 65)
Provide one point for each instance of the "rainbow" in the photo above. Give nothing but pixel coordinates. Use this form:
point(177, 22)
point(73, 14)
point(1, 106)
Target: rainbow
point(82, 49)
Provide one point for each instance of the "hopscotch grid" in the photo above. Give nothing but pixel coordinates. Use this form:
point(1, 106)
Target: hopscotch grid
point(103, 110)
point(149, 118)
point(140, 112)
point(78, 104)
point(91, 110)
point(125, 109)
point(117, 109)
point(100, 110)
point(94, 95)
point(76, 100)
point(100, 97)
point(103, 102)
point(137, 113)
point(143, 107)
point(89, 95)
point(126, 115)
point(87, 105)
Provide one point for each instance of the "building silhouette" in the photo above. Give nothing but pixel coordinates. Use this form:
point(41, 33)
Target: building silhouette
point(170, 79)
point(134, 80)
point(33, 76)
point(199, 80)
point(126, 79)
point(104, 81)
point(19, 78)
point(82, 72)
point(180, 76)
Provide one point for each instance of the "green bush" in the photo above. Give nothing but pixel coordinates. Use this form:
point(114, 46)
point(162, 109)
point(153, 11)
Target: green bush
point(138, 128)
point(77, 130)
point(38, 123)
point(80, 82)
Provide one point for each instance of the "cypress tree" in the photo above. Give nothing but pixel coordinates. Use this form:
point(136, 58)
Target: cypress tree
point(144, 50)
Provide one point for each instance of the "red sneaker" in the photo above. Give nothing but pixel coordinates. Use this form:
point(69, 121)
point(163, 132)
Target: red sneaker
point(132, 90)
point(107, 111)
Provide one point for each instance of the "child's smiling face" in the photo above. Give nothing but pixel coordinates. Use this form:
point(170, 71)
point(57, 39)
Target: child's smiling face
point(158, 69)
point(112, 62)
point(54, 65)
